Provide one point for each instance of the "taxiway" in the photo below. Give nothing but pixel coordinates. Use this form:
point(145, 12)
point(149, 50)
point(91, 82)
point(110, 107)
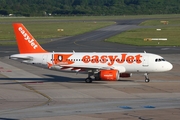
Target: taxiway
point(32, 93)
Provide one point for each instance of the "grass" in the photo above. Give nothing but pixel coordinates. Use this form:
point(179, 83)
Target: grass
point(44, 30)
point(136, 37)
point(50, 30)
point(15, 19)
point(174, 21)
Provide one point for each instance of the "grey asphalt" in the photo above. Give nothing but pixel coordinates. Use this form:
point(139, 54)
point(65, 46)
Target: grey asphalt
point(30, 92)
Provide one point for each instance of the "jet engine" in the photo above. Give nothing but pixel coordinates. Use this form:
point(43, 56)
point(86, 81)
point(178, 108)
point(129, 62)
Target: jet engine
point(111, 75)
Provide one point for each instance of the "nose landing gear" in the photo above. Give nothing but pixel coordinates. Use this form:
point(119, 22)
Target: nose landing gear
point(146, 77)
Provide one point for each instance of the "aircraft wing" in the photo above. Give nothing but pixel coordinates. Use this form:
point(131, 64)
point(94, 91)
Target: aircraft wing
point(87, 67)
point(90, 67)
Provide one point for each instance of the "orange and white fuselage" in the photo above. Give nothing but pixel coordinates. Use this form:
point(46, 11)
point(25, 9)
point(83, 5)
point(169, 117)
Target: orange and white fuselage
point(107, 66)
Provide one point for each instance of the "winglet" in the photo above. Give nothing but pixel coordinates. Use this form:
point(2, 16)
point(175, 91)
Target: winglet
point(26, 42)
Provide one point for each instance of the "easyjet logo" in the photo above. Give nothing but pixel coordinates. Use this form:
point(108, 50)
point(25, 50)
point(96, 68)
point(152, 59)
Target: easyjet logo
point(111, 59)
point(61, 59)
point(27, 38)
point(109, 75)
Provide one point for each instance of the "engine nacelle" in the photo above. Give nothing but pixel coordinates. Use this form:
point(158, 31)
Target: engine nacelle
point(111, 75)
point(125, 75)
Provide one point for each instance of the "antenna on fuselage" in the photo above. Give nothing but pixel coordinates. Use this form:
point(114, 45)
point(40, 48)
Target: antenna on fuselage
point(144, 51)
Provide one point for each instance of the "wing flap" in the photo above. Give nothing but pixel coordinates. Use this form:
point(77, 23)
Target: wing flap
point(86, 66)
point(121, 69)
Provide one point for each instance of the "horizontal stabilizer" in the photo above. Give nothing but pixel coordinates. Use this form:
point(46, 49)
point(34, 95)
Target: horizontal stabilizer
point(20, 57)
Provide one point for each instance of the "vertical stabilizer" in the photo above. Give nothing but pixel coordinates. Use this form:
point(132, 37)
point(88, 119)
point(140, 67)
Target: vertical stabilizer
point(26, 42)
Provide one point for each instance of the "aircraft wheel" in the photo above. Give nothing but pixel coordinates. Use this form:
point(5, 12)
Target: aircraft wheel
point(88, 80)
point(147, 80)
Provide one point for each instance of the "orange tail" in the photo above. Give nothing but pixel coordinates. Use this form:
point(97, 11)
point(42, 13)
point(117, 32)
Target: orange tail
point(26, 42)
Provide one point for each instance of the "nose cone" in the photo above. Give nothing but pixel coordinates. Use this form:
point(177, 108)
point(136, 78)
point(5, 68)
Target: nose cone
point(169, 66)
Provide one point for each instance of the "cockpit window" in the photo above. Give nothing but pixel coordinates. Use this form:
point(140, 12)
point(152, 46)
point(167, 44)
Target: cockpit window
point(159, 60)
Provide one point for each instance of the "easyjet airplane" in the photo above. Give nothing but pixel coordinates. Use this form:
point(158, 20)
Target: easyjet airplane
point(104, 66)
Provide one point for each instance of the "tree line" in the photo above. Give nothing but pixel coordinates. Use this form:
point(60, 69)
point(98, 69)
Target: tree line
point(88, 7)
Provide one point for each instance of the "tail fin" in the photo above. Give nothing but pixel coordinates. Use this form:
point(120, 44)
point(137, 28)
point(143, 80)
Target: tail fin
point(26, 42)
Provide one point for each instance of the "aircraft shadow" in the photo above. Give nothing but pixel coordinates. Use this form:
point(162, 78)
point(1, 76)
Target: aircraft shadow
point(7, 119)
point(53, 78)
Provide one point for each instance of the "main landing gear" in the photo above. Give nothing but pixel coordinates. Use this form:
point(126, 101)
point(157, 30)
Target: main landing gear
point(146, 77)
point(89, 79)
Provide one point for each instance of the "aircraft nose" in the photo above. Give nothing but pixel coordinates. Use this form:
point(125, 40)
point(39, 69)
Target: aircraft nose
point(169, 66)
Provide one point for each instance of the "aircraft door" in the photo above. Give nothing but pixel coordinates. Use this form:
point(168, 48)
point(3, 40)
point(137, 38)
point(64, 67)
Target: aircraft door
point(44, 59)
point(145, 61)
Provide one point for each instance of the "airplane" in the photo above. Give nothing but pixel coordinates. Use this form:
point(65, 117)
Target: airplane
point(100, 65)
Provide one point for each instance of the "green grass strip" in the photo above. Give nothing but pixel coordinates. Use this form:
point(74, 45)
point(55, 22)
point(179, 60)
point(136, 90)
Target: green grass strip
point(45, 30)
